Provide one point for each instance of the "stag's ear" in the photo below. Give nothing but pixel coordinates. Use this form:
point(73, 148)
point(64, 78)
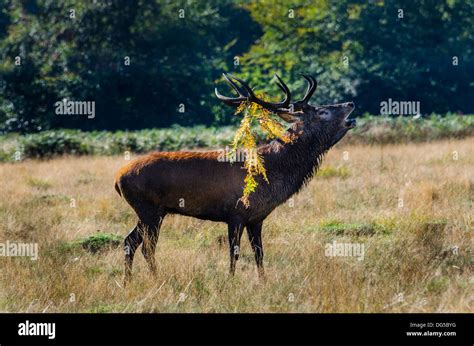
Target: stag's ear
point(288, 117)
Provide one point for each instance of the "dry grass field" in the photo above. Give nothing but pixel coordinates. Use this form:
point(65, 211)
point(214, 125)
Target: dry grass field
point(410, 206)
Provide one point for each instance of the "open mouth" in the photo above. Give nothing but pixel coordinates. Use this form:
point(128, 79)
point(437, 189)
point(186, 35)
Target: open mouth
point(350, 123)
point(347, 109)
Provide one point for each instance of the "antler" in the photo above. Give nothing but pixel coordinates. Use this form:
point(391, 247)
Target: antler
point(312, 85)
point(283, 109)
point(246, 94)
point(235, 102)
point(296, 108)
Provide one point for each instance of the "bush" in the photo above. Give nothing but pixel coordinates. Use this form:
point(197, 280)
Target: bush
point(100, 241)
point(381, 129)
point(94, 243)
point(52, 143)
point(370, 130)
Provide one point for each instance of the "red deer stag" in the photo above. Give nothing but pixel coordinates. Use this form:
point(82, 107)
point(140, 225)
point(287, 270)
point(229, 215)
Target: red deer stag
point(198, 184)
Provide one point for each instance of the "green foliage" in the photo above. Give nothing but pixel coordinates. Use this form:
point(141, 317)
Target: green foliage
point(300, 37)
point(379, 130)
point(98, 242)
point(365, 52)
point(40, 184)
point(245, 138)
point(52, 143)
point(437, 285)
point(370, 129)
point(362, 51)
point(335, 227)
point(173, 61)
point(329, 172)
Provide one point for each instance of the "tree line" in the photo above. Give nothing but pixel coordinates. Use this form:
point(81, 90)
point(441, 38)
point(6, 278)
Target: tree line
point(155, 63)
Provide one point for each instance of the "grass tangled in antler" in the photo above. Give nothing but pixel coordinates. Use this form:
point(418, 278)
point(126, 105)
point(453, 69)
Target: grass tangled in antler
point(245, 139)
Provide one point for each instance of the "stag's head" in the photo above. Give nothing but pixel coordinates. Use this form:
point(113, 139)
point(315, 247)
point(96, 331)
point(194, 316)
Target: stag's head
point(329, 123)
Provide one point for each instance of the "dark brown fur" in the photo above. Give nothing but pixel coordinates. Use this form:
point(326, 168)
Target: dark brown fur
point(197, 184)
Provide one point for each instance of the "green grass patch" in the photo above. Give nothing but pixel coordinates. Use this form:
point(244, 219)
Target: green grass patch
point(98, 242)
point(437, 285)
point(105, 308)
point(48, 199)
point(330, 172)
point(93, 271)
point(40, 184)
point(339, 228)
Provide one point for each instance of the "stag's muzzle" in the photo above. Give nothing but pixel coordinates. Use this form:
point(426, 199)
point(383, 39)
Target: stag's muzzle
point(348, 108)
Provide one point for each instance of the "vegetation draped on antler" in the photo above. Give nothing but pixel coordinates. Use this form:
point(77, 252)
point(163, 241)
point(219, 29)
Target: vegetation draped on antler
point(256, 108)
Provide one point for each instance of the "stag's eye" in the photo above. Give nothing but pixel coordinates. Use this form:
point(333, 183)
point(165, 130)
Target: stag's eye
point(323, 113)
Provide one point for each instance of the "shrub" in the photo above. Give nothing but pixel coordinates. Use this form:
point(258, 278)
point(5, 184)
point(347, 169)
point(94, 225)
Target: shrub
point(52, 143)
point(100, 241)
point(370, 130)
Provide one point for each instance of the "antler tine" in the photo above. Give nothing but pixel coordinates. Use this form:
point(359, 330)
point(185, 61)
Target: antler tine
point(312, 85)
point(246, 94)
point(267, 105)
point(235, 87)
point(245, 85)
point(286, 90)
point(231, 101)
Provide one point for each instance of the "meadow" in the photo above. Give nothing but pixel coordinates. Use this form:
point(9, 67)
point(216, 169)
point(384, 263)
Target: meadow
point(409, 204)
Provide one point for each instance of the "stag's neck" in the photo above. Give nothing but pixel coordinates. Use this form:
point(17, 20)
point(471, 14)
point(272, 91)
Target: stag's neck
point(290, 166)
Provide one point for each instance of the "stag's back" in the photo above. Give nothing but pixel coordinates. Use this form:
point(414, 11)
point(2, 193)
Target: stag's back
point(189, 183)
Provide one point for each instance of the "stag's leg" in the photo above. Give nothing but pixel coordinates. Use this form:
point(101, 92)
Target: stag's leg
point(132, 242)
point(149, 220)
point(235, 233)
point(254, 232)
point(150, 238)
